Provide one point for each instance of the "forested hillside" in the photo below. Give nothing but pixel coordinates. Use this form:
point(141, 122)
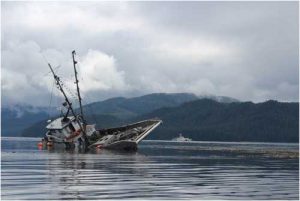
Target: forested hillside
point(206, 119)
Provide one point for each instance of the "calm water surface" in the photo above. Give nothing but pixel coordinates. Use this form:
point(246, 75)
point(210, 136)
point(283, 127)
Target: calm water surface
point(158, 170)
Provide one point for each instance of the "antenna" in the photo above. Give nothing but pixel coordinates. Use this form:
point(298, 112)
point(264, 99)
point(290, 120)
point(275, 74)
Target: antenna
point(76, 82)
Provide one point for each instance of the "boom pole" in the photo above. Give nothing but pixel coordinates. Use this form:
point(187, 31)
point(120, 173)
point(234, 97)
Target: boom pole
point(58, 83)
point(76, 82)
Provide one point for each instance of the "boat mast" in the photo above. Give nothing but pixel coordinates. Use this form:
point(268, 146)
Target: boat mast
point(76, 82)
point(58, 83)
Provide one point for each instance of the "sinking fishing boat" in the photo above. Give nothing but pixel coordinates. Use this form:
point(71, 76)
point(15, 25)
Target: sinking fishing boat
point(72, 130)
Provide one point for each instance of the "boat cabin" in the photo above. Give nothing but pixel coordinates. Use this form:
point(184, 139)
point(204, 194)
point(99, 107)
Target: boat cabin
point(62, 128)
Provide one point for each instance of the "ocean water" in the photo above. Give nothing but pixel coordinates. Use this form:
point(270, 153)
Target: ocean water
point(158, 170)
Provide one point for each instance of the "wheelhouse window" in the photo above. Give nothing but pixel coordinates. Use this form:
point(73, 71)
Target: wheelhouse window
point(71, 127)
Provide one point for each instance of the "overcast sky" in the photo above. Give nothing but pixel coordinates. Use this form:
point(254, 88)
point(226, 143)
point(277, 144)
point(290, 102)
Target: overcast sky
point(245, 50)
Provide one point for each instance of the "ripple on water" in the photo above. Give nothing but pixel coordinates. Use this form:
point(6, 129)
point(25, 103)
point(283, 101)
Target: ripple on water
point(190, 173)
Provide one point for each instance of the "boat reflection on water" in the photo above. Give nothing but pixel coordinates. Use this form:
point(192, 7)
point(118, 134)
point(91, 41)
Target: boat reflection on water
point(98, 174)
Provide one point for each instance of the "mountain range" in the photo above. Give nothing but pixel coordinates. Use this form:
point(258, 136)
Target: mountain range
point(208, 120)
point(197, 117)
point(14, 119)
point(18, 119)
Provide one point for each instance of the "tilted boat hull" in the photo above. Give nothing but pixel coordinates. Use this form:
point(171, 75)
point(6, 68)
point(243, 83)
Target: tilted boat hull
point(125, 137)
point(122, 145)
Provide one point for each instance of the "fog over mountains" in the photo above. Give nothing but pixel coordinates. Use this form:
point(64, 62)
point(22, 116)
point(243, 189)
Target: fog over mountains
point(15, 118)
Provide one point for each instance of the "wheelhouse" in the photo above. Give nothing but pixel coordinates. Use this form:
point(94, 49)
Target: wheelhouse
point(62, 128)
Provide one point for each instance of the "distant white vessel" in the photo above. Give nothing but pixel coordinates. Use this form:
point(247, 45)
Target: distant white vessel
point(181, 139)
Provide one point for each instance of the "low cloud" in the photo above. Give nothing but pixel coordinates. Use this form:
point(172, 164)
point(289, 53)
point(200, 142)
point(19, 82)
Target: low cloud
point(246, 50)
point(99, 72)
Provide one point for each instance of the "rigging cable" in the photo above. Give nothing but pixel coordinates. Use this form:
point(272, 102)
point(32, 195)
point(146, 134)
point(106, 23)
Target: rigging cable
point(51, 99)
point(51, 95)
point(72, 94)
point(88, 106)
